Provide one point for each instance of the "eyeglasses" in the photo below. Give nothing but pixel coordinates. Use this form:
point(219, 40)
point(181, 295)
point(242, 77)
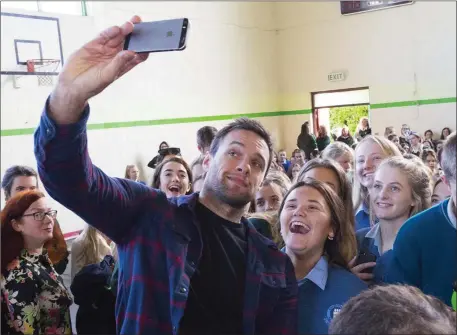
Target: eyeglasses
point(39, 216)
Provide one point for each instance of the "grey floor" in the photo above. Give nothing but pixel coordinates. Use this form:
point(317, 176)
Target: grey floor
point(67, 281)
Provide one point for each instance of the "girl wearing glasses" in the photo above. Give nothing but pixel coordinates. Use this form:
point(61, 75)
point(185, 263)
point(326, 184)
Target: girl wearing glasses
point(34, 298)
point(18, 178)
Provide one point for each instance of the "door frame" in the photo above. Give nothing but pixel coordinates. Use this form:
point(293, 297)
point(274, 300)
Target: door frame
point(315, 116)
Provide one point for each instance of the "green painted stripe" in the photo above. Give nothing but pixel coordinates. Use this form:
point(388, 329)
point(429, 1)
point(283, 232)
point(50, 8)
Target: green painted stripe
point(413, 103)
point(128, 124)
point(144, 123)
point(17, 132)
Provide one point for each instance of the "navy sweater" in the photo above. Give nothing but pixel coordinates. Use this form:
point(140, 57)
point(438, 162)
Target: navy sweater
point(367, 244)
point(317, 307)
point(424, 253)
point(362, 218)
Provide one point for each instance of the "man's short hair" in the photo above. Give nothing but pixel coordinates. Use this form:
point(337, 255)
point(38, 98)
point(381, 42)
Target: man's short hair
point(448, 157)
point(394, 309)
point(205, 136)
point(243, 124)
point(11, 174)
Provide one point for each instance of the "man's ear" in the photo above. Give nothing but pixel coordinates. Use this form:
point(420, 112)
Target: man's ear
point(206, 161)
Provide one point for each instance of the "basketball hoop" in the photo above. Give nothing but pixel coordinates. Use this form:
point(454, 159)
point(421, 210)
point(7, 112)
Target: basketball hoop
point(45, 69)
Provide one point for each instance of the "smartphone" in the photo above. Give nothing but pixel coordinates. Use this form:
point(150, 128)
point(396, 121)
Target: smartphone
point(158, 36)
point(366, 257)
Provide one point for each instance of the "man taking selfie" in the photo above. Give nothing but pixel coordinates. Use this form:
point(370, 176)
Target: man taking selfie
point(187, 265)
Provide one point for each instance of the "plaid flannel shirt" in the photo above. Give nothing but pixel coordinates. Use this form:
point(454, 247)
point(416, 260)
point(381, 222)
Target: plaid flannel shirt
point(159, 241)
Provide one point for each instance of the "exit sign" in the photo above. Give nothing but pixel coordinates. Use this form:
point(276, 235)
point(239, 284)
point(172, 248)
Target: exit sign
point(336, 76)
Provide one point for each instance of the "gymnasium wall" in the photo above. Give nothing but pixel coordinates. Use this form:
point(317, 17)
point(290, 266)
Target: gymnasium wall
point(228, 68)
point(406, 55)
point(257, 59)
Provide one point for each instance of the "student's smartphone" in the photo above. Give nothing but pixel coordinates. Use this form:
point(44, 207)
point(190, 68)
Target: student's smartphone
point(366, 257)
point(158, 36)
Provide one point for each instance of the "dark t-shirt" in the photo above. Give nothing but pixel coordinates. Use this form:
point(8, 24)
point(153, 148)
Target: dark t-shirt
point(363, 133)
point(216, 294)
point(348, 140)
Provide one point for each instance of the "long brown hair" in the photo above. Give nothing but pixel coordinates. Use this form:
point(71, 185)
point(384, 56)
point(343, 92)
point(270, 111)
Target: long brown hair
point(343, 247)
point(345, 187)
point(127, 170)
point(272, 218)
point(13, 241)
point(158, 171)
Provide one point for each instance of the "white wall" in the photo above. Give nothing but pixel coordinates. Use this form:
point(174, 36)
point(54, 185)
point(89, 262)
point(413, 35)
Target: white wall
point(236, 62)
point(227, 68)
point(402, 54)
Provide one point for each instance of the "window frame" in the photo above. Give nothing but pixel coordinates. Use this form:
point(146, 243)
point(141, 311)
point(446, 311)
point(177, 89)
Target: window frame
point(39, 9)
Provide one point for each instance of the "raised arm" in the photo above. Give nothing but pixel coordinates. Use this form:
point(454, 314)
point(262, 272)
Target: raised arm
point(66, 170)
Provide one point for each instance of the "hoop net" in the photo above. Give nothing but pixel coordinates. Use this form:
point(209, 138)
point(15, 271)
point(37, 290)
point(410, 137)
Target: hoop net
point(44, 66)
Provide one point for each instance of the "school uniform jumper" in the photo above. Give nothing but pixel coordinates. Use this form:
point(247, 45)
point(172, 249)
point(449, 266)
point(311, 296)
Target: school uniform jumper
point(424, 253)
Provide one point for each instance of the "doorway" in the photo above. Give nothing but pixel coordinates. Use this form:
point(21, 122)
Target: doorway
point(340, 108)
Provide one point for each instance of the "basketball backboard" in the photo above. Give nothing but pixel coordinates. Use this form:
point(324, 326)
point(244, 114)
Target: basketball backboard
point(26, 37)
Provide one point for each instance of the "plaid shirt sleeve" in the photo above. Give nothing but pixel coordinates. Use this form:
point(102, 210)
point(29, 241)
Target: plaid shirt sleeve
point(285, 313)
point(68, 175)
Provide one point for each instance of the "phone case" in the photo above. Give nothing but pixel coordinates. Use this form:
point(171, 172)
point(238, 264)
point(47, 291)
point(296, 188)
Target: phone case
point(158, 36)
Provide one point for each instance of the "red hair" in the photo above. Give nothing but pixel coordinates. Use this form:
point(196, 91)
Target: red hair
point(13, 242)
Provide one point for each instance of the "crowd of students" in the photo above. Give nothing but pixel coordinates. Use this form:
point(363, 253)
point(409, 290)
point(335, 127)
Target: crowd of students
point(335, 239)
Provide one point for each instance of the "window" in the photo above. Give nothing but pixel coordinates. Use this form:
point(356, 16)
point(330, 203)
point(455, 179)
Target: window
point(26, 5)
point(59, 7)
point(341, 98)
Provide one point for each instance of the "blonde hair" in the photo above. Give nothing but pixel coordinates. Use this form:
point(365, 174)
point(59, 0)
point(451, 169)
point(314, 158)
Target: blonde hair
point(337, 149)
point(127, 170)
point(360, 125)
point(418, 179)
point(274, 177)
point(272, 218)
point(291, 168)
point(279, 178)
point(389, 130)
point(324, 128)
point(93, 245)
point(359, 192)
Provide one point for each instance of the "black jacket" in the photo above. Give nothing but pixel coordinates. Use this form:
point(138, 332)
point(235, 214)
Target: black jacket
point(91, 291)
point(307, 143)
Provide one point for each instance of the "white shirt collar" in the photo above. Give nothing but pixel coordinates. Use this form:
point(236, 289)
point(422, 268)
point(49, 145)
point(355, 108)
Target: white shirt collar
point(318, 275)
point(375, 234)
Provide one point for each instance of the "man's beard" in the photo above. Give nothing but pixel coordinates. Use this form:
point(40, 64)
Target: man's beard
point(220, 190)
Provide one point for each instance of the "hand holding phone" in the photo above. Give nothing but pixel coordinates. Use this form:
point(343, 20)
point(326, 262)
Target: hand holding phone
point(362, 265)
point(158, 36)
point(363, 258)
